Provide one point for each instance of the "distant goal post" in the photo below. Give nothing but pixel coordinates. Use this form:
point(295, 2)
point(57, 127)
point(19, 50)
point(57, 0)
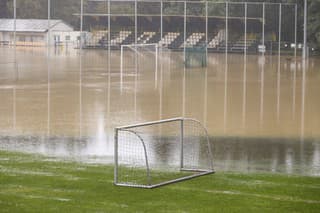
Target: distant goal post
point(157, 153)
point(135, 58)
point(139, 47)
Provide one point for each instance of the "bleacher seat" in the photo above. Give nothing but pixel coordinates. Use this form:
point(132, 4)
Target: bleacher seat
point(168, 38)
point(193, 39)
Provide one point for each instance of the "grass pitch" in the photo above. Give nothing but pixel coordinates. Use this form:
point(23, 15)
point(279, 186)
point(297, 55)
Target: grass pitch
point(33, 183)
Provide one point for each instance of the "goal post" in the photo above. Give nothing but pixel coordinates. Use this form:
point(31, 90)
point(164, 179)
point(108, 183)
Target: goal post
point(157, 153)
point(135, 58)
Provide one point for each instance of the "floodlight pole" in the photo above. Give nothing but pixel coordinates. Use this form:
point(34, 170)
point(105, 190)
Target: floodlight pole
point(49, 16)
point(156, 68)
point(207, 30)
point(135, 21)
point(225, 101)
point(245, 67)
point(184, 31)
point(263, 26)
point(14, 22)
point(121, 66)
point(109, 59)
point(15, 60)
point(304, 52)
point(279, 66)
point(295, 30)
point(280, 20)
point(245, 27)
point(161, 20)
point(227, 10)
point(14, 28)
point(109, 32)
point(81, 23)
point(48, 64)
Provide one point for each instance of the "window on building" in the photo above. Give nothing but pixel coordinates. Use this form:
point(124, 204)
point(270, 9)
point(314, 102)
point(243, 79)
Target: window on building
point(67, 38)
point(56, 38)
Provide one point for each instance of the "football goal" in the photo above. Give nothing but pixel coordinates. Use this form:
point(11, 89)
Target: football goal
point(195, 57)
point(157, 153)
point(139, 58)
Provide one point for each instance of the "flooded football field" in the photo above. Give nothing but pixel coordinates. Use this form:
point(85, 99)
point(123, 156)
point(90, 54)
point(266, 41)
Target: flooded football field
point(262, 112)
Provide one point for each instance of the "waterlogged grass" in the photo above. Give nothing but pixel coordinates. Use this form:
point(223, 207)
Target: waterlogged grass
point(32, 183)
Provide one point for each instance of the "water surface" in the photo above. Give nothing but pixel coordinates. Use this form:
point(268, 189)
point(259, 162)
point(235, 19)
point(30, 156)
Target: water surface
point(262, 113)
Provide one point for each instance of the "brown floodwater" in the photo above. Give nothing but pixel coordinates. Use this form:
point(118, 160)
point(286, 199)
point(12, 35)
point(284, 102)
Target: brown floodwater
point(262, 112)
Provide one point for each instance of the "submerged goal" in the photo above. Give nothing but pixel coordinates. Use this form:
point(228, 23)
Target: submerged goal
point(195, 56)
point(157, 153)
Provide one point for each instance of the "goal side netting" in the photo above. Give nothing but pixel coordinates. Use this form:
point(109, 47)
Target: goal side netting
point(195, 57)
point(157, 153)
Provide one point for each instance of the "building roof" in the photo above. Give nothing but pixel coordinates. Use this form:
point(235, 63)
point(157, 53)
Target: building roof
point(32, 25)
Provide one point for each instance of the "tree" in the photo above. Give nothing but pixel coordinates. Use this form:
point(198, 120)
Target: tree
point(314, 23)
point(4, 13)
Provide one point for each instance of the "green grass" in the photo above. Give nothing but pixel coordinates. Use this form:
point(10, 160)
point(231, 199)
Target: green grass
point(33, 183)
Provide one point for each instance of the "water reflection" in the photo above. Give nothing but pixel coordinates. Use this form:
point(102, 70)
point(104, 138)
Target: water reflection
point(262, 111)
point(244, 95)
point(261, 61)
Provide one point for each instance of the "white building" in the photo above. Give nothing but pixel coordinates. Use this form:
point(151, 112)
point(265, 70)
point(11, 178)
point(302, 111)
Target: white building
point(34, 32)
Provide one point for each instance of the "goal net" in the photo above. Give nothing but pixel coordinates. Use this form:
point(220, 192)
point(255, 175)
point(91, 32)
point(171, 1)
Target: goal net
point(156, 153)
point(195, 57)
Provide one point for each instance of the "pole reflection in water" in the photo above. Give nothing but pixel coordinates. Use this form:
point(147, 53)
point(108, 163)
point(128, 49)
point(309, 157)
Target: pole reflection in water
point(14, 98)
point(205, 94)
point(279, 65)
point(303, 97)
point(294, 85)
point(136, 73)
point(244, 90)
point(15, 63)
point(278, 87)
point(156, 68)
point(80, 93)
point(48, 92)
point(262, 67)
point(225, 100)
point(161, 83)
point(244, 96)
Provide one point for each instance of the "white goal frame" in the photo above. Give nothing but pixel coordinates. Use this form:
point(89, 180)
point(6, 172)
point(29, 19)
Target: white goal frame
point(149, 185)
point(132, 47)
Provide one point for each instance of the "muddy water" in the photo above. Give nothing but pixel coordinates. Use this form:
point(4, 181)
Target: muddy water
point(262, 112)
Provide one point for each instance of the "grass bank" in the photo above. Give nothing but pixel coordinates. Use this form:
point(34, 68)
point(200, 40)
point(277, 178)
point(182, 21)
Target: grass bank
point(33, 183)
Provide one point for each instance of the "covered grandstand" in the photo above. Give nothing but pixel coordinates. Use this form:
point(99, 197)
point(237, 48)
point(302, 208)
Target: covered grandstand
point(220, 26)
